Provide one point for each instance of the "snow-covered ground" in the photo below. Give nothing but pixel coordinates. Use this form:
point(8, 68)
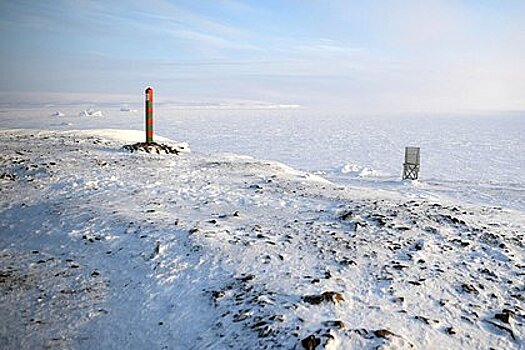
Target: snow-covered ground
point(102, 248)
point(478, 158)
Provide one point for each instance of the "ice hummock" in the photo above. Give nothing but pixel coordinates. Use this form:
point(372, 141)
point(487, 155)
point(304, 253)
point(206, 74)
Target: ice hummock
point(360, 171)
point(90, 113)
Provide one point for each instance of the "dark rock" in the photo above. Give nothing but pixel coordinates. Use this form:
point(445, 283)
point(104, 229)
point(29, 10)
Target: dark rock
point(431, 230)
point(278, 318)
point(310, 342)
point(363, 333)
point(399, 300)
point(217, 294)
point(469, 289)
point(488, 272)
point(246, 278)
point(347, 262)
point(384, 333)
point(313, 299)
point(505, 316)
point(399, 267)
point(333, 297)
point(422, 319)
point(153, 147)
point(450, 330)
point(265, 331)
point(346, 216)
point(335, 324)
point(5, 176)
point(453, 220)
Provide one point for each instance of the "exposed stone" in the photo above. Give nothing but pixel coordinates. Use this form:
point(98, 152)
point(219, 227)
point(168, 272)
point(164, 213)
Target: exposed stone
point(422, 319)
point(505, 316)
point(346, 216)
point(153, 147)
point(384, 333)
point(310, 342)
point(450, 330)
point(333, 297)
point(347, 262)
point(246, 278)
point(217, 294)
point(469, 288)
point(335, 324)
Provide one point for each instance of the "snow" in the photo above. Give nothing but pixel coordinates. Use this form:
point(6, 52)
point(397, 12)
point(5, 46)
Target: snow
point(102, 248)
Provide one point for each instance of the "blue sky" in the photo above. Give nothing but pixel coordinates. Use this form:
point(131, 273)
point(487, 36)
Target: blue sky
point(369, 56)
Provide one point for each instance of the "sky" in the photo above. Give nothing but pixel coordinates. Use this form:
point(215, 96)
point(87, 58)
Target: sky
point(355, 55)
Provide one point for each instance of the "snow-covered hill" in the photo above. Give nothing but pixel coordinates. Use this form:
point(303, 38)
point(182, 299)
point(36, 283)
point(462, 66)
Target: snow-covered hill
point(102, 248)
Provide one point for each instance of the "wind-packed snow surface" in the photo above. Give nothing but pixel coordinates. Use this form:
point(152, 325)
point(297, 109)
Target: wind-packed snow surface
point(102, 248)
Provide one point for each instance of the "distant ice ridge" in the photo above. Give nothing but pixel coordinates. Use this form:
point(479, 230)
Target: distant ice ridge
point(90, 113)
point(125, 108)
point(235, 106)
point(360, 171)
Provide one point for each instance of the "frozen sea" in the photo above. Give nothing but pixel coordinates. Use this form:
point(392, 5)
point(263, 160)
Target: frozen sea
point(478, 158)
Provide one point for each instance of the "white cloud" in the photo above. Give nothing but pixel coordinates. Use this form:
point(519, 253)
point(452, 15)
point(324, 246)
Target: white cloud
point(367, 56)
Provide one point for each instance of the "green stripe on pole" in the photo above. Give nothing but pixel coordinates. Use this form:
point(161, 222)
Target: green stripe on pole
point(149, 115)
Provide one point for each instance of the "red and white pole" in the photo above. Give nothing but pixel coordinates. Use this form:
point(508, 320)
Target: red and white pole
point(149, 115)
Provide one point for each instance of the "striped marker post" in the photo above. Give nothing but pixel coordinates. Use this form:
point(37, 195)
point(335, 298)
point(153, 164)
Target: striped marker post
point(149, 115)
